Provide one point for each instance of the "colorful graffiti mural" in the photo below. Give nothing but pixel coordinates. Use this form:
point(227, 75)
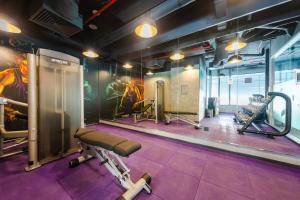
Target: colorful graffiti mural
point(124, 94)
point(13, 84)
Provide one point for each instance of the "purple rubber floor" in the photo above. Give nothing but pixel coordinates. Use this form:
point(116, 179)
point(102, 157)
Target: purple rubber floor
point(223, 129)
point(180, 171)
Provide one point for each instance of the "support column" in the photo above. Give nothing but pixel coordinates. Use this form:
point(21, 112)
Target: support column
point(32, 114)
point(81, 96)
point(267, 72)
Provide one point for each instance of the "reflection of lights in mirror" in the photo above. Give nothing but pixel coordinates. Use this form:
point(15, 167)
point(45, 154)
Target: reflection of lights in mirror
point(90, 54)
point(177, 56)
point(149, 73)
point(234, 59)
point(7, 26)
point(236, 45)
point(189, 67)
point(127, 66)
point(146, 29)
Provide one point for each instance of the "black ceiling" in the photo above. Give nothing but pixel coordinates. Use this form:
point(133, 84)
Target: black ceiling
point(191, 21)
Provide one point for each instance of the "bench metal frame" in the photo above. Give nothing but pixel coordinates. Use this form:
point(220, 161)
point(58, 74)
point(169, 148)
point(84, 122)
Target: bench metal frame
point(116, 167)
point(174, 117)
point(145, 115)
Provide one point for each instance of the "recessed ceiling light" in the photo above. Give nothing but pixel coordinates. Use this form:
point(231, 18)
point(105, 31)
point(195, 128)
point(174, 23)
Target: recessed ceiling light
point(127, 66)
point(90, 54)
point(7, 26)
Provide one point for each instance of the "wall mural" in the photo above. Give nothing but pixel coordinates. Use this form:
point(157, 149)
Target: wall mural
point(109, 94)
point(13, 85)
point(124, 94)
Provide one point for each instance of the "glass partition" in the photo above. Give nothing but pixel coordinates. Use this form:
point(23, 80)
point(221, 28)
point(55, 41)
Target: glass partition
point(207, 93)
point(286, 80)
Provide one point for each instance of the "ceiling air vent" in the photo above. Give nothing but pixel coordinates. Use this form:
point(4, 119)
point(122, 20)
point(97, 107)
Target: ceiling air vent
point(59, 16)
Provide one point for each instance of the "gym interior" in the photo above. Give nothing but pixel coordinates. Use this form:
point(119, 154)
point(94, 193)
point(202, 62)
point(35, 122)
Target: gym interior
point(160, 100)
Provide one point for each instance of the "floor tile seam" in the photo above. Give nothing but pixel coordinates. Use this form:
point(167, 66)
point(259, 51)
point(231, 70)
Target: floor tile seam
point(225, 188)
point(201, 178)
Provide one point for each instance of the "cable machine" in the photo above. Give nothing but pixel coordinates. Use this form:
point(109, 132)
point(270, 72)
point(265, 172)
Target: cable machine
point(55, 108)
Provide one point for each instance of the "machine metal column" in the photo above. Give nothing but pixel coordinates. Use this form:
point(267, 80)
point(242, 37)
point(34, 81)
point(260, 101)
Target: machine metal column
point(32, 114)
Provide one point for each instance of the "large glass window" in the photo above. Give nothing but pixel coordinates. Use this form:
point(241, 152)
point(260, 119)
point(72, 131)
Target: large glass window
point(287, 67)
point(236, 89)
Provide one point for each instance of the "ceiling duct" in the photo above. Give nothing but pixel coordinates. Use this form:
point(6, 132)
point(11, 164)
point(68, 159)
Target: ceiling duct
point(59, 16)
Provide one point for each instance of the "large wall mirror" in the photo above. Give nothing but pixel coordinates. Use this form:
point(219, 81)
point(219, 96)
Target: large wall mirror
point(233, 91)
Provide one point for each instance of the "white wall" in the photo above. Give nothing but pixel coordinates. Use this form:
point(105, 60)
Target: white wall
point(181, 92)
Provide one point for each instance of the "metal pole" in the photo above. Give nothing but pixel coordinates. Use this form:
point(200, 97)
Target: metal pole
point(81, 96)
point(32, 114)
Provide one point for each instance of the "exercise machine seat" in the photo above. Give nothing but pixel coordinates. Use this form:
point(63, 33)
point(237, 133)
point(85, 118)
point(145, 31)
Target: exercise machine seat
point(126, 148)
point(118, 145)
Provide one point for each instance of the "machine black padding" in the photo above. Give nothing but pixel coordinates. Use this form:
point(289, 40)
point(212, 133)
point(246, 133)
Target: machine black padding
point(103, 140)
point(126, 148)
point(81, 131)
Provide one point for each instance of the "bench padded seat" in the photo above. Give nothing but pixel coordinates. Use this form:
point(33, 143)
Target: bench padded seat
point(81, 131)
point(126, 148)
point(118, 145)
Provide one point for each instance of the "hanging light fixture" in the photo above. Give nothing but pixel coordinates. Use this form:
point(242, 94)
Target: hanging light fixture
point(149, 73)
point(90, 54)
point(177, 56)
point(127, 66)
point(189, 67)
point(236, 44)
point(7, 26)
point(234, 59)
point(146, 29)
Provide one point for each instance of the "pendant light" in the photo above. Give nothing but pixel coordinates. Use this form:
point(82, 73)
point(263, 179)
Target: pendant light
point(127, 66)
point(234, 59)
point(236, 44)
point(149, 73)
point(188, 67)
point(146, 29)
point(177, 56)
point(90, 54)
point(8, 26)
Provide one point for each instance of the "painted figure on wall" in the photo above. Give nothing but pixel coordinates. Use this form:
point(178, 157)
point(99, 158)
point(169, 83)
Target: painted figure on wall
point(13, 83)
point(124, 95)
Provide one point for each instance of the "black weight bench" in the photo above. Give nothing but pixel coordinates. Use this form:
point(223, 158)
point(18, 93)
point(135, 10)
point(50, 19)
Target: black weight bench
point(144, 113)
point(107, 148)
point(172, 116)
